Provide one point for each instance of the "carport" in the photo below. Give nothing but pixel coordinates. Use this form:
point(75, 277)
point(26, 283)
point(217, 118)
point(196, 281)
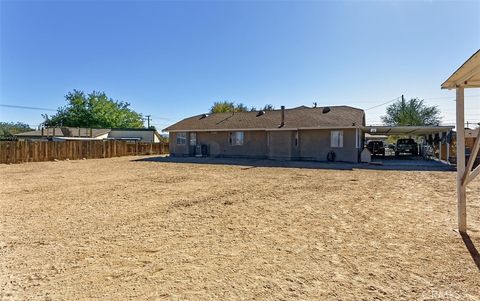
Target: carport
point(441, 132)
point(467, 76)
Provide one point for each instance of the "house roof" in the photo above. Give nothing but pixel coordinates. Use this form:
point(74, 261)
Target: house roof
point(467, 75)
point(65, 132)
point(296, 118)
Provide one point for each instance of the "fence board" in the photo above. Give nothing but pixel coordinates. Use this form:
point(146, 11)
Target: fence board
point(37, 151)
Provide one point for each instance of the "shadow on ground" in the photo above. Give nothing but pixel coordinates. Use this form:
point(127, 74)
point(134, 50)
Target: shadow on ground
point(471, 249)
point(379, 164)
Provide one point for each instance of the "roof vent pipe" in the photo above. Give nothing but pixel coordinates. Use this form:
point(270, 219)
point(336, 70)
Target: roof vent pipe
point(260, 113)
point(283, 116)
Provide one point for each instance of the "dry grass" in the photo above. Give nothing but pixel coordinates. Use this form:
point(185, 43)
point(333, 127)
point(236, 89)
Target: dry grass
point(119, 229)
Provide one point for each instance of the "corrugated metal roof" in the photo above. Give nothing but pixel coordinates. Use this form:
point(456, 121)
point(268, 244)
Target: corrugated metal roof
point(65, 132)
point(407, 130)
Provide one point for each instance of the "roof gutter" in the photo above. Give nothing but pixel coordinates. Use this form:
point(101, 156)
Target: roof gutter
point(267, 129)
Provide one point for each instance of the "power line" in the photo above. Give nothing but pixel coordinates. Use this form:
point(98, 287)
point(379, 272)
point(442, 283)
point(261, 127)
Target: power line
point(382, 104)
point(26, 107)
point(446, 97)
point(449, 97)
point(161, 118)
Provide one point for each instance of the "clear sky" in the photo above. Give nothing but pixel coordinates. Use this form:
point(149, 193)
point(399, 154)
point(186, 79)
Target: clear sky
point(174, 59)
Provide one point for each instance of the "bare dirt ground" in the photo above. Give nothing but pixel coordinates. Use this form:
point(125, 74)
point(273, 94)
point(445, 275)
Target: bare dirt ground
point(122, 229)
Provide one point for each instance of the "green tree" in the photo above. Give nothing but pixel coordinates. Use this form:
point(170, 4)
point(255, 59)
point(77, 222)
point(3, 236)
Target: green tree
point(268, 107)
point(8, 129)
point(411, 112)
point(94, 110)
point(227, 107)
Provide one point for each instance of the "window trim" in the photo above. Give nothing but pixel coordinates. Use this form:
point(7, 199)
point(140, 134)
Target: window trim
point(338, 134)
point(230, 139)
point(179, 137)
point(192, 134)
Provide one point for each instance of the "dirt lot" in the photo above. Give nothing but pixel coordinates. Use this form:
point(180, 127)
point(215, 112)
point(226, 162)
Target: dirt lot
point(122, 229)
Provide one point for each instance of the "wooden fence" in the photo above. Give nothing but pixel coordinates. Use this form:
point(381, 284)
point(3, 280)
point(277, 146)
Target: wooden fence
point(37, 151)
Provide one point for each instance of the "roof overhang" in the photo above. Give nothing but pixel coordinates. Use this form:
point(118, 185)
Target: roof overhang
point(467, 76)
point(264, 129)
point(72, 138)
point(407, 130)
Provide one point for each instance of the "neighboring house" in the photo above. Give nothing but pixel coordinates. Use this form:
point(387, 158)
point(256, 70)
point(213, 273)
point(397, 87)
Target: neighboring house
point(301, 133)
point(146, 135)
point(70, 133)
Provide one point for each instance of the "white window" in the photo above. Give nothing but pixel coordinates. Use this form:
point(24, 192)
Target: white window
point(193, 138)
point(236, 138)
point(181, 138)
point(336, 138)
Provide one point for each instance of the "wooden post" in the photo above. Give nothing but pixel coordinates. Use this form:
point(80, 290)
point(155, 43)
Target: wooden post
point(469, 174)
point(14, 155)
point(448, 152)
point(461, 189)
point(47, 157)
point(440, 148)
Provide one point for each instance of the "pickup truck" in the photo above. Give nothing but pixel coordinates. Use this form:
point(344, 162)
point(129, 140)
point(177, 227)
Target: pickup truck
point(406, 146)
point(376, 147)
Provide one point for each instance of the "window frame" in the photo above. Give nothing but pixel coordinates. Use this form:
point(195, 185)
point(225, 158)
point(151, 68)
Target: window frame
point(193, 137)
point(234, 140)
point(179, 137)
point(336, 139)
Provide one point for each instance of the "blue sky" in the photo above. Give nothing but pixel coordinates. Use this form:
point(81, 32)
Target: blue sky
point(174, 59)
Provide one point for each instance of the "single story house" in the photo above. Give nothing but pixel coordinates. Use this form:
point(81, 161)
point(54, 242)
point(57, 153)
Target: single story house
point(301, 133)
point(71, 133)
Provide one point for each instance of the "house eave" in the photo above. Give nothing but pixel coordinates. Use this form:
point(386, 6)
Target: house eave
point(266, 129)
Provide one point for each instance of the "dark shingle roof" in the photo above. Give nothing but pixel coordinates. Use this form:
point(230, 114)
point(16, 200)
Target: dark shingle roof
point(301, 117)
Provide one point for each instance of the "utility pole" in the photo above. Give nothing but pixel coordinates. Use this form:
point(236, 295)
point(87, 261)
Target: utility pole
point(403, 98)
point(148, 120)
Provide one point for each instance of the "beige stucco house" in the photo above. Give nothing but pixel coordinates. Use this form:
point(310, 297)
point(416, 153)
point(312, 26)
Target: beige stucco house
point(301, 133)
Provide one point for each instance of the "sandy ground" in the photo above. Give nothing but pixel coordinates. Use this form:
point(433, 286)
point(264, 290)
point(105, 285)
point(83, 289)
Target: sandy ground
point(122, 229)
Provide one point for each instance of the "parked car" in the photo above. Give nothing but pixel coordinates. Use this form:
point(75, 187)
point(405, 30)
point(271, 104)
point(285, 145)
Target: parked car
point(376, 147)
point(406, 146)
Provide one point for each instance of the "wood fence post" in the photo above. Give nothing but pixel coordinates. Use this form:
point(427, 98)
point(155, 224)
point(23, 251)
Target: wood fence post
point(47, 157)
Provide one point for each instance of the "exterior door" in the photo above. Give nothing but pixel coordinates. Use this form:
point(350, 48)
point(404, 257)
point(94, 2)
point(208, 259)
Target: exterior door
point(279, 145)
